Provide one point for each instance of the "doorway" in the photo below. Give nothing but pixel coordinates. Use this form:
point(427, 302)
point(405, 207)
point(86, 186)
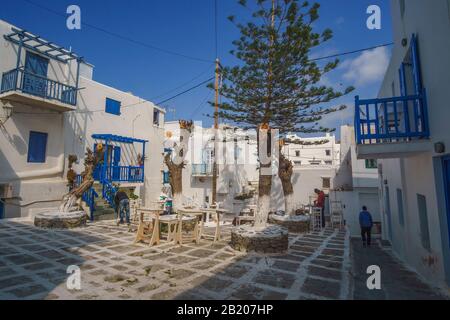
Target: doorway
point(35, 75)
point(446, 169)
point(387, 212)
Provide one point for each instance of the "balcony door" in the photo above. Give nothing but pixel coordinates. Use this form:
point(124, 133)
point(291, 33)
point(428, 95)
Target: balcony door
point(35, 75)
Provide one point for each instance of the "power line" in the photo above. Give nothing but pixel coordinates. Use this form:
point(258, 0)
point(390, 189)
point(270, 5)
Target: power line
point(354, 51)
point(137, 42)
point(181, 86)
point(186, 91)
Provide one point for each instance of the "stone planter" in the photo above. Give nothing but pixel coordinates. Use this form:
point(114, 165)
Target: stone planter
point(295, 224)
point(60, 220)
point(272, 239)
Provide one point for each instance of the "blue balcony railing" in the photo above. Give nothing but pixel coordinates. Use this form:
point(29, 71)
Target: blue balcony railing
point(119, 174)
point(20, 80)
point(202, 169)
point(386, 120)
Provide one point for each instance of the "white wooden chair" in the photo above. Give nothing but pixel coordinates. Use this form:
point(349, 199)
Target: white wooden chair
point(337, 214)
point(186, 216)
point(134, 215)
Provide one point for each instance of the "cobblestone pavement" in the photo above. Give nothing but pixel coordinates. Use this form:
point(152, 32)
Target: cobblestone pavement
point(33, 264)
point(397, 282)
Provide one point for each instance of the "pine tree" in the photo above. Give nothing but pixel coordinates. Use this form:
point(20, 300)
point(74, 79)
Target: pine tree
point(277, 85)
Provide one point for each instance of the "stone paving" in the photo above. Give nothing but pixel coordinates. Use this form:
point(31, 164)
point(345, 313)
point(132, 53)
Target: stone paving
point(33, 265)
point(397, 281)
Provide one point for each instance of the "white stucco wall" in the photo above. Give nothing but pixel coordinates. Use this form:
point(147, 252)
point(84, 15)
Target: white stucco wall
point(135, 120)
point(416, 174)
point(34, 185)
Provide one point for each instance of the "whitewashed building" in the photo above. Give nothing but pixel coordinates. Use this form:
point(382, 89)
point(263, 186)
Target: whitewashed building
point(355, 184)
point(406, 129)
point(315, 161)
point(237, 164)
point(51, 108)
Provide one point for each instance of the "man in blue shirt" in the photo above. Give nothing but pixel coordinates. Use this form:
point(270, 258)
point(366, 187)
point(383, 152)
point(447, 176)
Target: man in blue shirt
point(366, 223)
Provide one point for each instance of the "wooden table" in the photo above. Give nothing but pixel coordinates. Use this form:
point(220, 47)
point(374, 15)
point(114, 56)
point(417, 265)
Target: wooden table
point(155, 214)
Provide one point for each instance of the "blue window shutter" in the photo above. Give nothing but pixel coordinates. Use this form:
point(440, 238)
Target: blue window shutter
point(112, 106)
point(402, 77)
point(37, 147)
point(416, 65)
point(36, 64)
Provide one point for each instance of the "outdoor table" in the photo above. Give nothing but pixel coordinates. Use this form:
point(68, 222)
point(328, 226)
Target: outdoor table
point(217, 213)
point(155, 214)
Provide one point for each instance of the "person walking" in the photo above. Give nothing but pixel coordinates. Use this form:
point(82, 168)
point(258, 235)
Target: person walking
point(366, 223)
point(320, 203)
point(122, 202)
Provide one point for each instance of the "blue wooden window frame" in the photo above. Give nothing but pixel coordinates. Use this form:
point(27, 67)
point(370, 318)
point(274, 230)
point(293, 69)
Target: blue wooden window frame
point(446, 173)
point(166, 176)
point(371, 164)
point(37, 147)
point(416, 65)
point(2, 209)
point(112, 106)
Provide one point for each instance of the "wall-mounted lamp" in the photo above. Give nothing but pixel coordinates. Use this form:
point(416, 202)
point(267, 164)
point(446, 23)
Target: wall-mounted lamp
point(404, 42)
point(5, 112)
point(439, 147)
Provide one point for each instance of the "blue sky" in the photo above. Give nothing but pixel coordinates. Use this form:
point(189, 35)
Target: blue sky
point(187, 27)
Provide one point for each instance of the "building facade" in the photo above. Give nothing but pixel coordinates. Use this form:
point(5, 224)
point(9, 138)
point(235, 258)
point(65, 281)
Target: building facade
point(51, 108)
point(406, 129)
point(356, 184)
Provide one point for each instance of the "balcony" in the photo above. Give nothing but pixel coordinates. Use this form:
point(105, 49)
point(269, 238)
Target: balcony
point(202, 170)
point(390, 128)
point(24, 87)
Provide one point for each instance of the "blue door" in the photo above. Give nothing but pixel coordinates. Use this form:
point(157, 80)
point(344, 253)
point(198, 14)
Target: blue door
point(115, 164)
point(35, 76)
point(2, 207)
point(446, 165)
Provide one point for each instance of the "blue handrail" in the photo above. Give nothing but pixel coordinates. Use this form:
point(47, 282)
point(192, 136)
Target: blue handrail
point(88, 196)
point(393, 119)
point(27, 82)
point(109, 193)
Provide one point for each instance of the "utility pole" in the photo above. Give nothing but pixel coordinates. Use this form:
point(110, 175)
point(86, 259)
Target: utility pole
point(216, 128)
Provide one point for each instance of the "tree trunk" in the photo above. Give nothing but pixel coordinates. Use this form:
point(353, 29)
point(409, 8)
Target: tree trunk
point(177, 164)
point(175, 180)
point(285, 174)
point(265, 180)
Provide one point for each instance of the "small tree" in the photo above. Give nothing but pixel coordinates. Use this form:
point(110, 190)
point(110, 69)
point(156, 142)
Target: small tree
point(277, 85)
point(175, 163)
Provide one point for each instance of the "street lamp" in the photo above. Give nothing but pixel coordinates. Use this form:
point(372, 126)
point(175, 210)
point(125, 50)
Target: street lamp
point(5, 112)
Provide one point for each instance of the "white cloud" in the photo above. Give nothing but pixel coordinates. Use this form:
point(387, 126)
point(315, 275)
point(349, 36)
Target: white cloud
point(367, 68)
point(339, 118)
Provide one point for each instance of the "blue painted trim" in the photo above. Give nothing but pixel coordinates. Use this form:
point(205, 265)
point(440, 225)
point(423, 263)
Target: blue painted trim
point(37, 147)
point(117, 138)
point(2, 210)
point(112, 106)
point(446, 171)
point(365, 119)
